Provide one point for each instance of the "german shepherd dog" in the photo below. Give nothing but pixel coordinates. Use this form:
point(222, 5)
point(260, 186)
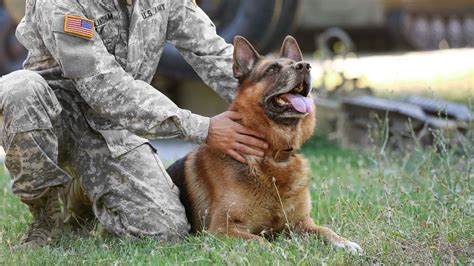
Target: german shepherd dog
point(262, 197)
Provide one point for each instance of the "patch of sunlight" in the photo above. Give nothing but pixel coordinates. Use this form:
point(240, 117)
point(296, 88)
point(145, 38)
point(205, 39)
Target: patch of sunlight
point(447, 72)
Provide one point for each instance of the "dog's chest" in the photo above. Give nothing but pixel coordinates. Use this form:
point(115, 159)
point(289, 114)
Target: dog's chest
point(274, 195)
point(283, 216)
point(271, 211)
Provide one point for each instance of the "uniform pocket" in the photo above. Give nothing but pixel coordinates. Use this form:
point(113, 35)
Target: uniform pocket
point(110, 36)
point(165, 174)
point(76, 56)
point(153, 28)
point(108, 28)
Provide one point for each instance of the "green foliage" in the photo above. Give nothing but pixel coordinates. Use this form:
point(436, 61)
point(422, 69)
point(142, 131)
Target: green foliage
point(411, 207)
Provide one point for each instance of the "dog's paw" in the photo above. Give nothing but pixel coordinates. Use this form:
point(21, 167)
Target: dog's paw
point(350, 247)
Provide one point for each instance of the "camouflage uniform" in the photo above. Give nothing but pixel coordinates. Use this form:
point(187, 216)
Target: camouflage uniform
point(83, 108)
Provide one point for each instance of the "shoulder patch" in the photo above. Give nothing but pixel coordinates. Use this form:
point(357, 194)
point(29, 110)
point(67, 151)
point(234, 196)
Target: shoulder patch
point(79, 26)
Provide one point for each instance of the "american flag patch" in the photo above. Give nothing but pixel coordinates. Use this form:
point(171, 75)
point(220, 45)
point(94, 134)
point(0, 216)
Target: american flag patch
point(79, 26)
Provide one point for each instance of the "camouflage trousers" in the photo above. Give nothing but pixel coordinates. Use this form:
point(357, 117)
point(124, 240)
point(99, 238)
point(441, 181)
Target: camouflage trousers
point(49, 143)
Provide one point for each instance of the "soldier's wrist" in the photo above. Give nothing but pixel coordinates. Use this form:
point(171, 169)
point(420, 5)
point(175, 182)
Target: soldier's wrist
point(198, 129)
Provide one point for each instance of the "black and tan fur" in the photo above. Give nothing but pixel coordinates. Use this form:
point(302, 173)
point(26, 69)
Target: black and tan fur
point(224, 196)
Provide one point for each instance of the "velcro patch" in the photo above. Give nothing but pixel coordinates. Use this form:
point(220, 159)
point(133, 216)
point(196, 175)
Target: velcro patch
point(79, 26)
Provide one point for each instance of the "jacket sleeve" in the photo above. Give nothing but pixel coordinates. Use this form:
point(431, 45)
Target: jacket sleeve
point(106, 87)
point(194, 35)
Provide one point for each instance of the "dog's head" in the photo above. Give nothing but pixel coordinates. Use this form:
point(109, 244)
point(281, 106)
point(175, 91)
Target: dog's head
point(280, 87)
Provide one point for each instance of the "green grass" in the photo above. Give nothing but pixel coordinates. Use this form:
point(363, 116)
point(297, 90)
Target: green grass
point(415, 207)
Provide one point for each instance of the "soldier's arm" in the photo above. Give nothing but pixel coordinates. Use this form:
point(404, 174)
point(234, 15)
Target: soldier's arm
point(194, 35)
point(106, 87)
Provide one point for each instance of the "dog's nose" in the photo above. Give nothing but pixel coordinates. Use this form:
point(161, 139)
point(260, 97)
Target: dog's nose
point(302, 66)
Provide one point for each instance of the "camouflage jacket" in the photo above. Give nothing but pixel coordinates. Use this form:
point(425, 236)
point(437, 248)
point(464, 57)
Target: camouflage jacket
point(109, 73)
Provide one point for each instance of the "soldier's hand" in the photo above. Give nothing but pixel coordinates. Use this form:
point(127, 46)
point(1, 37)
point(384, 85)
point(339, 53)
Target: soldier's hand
point(233, 139)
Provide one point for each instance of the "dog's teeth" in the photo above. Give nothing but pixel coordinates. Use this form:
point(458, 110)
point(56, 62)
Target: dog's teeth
point(280, 101)
point(299, 88)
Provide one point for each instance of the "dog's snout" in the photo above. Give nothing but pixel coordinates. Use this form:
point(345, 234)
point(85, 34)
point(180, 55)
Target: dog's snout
point(302, 66)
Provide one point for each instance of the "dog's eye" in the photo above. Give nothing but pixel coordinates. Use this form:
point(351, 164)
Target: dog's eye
point(273, 69)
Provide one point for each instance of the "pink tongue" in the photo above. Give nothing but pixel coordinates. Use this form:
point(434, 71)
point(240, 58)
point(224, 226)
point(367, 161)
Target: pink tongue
point(301, 104)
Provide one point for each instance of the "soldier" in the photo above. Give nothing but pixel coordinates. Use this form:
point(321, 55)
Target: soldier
point(77, 118)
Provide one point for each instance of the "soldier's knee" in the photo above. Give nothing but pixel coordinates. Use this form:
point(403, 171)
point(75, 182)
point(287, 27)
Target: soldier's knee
point(20, 85)
point(171, 226)
point(27, 102)
point(153, 225)
point(23, 75)
point(181, 229)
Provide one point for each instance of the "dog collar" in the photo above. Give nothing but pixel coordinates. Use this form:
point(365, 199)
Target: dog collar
point(282, 156)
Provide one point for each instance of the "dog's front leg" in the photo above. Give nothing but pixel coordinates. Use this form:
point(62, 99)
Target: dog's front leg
point(308, 226)
point(236, 230)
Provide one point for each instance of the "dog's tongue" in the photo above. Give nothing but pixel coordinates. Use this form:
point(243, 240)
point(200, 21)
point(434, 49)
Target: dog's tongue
point(301, 104)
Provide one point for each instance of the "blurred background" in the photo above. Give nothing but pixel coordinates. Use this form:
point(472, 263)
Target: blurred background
point(372, 54)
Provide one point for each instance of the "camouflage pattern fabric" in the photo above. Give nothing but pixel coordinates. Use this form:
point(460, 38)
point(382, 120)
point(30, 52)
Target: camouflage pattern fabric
point(131, 195)
point(111, 71)
point(84, 108)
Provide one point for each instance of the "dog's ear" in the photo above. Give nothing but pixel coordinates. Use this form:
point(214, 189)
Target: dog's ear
point(291, 50)
point(245, 57)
